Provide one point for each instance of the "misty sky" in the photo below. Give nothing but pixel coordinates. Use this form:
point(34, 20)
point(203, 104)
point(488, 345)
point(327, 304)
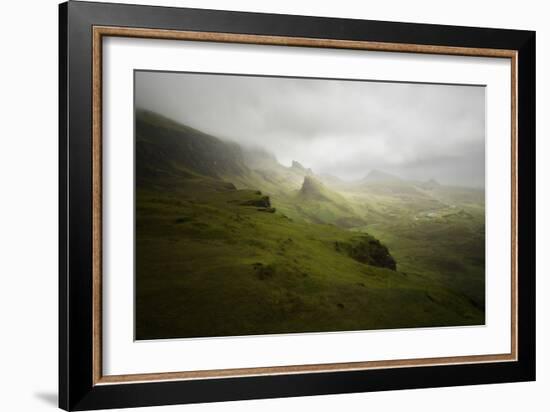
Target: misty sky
point(341, 128)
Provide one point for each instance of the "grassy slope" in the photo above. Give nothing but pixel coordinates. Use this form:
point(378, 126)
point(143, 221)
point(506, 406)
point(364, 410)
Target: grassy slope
point(210, 267)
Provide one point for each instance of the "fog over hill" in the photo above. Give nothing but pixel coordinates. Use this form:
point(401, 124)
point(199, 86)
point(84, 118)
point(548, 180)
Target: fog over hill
point(338, 128)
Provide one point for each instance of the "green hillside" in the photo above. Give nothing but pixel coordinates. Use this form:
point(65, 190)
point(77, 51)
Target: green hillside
point(229, 242)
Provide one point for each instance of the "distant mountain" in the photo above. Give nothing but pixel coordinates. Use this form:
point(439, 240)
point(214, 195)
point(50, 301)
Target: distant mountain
point(429, 184)
point(378, 176)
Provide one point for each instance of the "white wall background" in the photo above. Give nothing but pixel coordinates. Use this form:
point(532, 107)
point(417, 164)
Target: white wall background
point(28, 203)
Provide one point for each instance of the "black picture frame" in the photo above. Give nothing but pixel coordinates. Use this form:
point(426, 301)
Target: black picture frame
point(77, 390)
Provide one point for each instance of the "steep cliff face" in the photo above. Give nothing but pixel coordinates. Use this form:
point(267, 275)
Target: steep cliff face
point(166, 147)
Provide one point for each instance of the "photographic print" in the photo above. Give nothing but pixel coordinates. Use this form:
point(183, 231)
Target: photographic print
point(275, 205)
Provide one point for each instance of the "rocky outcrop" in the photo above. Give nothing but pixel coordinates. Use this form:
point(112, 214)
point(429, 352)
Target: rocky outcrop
point(312, 188)
point(260, 202)
point(298, 167)
point(368, 250)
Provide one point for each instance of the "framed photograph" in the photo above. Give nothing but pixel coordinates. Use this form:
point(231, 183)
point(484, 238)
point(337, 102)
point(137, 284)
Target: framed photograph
point(256, 205)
